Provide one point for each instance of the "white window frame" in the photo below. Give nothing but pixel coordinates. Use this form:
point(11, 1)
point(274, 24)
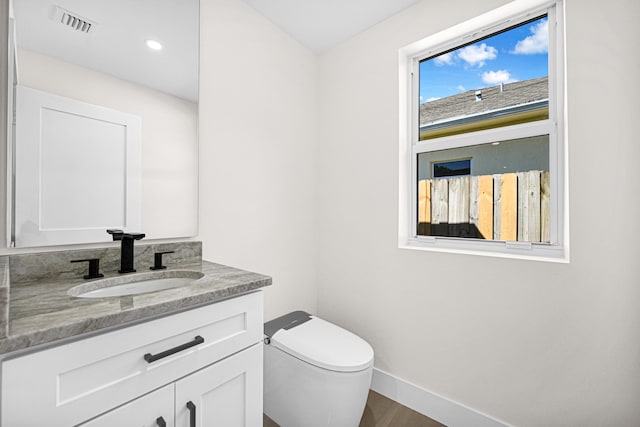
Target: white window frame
point(489, 23)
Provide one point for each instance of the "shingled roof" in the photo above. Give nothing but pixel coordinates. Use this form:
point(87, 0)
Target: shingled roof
point(491, 99)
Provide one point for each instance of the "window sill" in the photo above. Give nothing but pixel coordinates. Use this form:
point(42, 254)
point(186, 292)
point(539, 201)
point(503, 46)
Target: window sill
point(498, 249)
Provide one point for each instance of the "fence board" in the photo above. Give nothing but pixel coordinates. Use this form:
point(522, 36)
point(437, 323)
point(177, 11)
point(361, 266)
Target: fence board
point(424, 207)
point(440, 207)
point(529, 206)
point(509, 207)
point(485, 207)
point(481, 209)
point(545, 207)
point(459, 206)
point(474, 205)
point(497, 206)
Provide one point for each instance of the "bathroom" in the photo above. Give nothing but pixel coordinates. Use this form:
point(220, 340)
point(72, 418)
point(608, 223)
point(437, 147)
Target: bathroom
point(294, 182)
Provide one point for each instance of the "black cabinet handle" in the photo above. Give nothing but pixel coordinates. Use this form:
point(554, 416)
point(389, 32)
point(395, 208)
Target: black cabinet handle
point(161, 422)
point(192, 413)
point(153, 357)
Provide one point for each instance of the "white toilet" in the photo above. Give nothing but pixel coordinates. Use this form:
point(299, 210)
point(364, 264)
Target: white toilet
point(316, 374)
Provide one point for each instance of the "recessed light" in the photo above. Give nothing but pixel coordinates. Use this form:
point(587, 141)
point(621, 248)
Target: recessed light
point(152, 44)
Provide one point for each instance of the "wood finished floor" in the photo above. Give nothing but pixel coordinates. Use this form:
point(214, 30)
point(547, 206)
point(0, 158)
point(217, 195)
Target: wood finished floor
point(383, 412)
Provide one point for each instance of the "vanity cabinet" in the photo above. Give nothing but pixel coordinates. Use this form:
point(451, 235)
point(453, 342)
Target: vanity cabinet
point(210, 356)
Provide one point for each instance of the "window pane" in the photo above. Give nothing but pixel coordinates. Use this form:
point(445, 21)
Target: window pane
point(452, 168)
point(505, 197)
point(500, 80)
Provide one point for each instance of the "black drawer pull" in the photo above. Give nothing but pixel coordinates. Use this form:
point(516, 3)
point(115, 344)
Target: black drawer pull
point(161, 422)
point(192, 413)
point(153, 357)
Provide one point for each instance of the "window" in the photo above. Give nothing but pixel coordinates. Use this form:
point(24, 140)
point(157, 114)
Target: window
point(451, 168)
point(490, 96)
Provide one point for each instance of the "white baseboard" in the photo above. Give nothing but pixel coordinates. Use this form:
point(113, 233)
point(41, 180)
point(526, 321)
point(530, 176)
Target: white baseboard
point(432, 405)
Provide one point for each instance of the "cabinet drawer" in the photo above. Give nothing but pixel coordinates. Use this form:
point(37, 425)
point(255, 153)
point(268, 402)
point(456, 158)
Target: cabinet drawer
point(74, 382)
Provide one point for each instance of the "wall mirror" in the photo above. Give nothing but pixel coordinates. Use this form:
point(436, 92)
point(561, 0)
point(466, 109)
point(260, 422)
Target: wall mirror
point(106, 120)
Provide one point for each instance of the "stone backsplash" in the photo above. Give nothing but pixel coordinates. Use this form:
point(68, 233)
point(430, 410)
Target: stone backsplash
point(57, 265)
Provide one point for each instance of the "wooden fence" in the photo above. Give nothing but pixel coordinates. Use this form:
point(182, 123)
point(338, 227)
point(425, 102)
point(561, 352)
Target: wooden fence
point(511, 206)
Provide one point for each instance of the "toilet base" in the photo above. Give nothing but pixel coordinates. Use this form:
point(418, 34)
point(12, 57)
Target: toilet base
point(298, 394)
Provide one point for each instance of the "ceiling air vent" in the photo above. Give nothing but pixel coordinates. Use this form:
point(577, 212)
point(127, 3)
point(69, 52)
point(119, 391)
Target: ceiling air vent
point(72, 20)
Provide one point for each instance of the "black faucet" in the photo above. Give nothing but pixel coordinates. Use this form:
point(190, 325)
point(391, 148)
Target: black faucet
point(94, 268)
point(126, 248)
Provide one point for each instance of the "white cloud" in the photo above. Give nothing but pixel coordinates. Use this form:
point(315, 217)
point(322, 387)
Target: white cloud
point(433, 98)
point(461, 88)
point(477, 54)
point(497, 77)
point(538, 42)
point(444, 59)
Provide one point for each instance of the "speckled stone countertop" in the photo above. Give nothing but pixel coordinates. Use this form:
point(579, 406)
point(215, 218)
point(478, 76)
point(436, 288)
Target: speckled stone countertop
point(40, 311)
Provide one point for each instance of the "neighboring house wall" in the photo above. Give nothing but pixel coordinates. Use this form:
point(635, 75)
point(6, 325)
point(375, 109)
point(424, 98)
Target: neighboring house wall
point(511, 156)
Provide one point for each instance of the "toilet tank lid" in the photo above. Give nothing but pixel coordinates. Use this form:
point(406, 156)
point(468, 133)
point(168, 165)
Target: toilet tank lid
point(325, 345)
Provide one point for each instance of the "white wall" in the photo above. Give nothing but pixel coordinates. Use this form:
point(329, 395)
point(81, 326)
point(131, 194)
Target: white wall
point(531, 343)
point(257, 152)
point(169, 137)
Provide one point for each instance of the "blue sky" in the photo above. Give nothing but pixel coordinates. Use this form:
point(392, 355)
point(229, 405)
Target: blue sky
point(514, 55)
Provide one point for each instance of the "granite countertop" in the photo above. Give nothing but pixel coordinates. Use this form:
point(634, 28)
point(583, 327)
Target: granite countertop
point(41, 311)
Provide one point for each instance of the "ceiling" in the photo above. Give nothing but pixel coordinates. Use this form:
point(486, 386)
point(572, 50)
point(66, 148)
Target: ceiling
point(115, 44)
point(323, 24)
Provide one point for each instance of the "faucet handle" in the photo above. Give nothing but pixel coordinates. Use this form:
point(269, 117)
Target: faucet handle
point(94, 268)
point(157, 260)
point(133, 236)
point(117, 234)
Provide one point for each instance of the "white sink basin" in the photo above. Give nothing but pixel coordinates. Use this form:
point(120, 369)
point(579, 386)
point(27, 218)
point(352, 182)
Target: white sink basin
point(135, 284)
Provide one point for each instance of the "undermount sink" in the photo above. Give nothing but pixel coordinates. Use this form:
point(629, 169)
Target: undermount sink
point(135, 284)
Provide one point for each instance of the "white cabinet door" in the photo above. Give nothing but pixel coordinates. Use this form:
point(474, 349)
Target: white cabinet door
point(225, 394)
point(152, 410)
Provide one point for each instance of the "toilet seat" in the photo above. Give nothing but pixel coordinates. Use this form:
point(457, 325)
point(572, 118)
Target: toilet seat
point(325, 345)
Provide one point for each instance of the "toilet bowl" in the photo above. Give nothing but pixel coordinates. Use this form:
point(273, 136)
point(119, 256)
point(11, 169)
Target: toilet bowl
point(316, 374)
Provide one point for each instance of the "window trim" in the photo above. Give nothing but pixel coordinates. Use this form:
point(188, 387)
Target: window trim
point(489, 23)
